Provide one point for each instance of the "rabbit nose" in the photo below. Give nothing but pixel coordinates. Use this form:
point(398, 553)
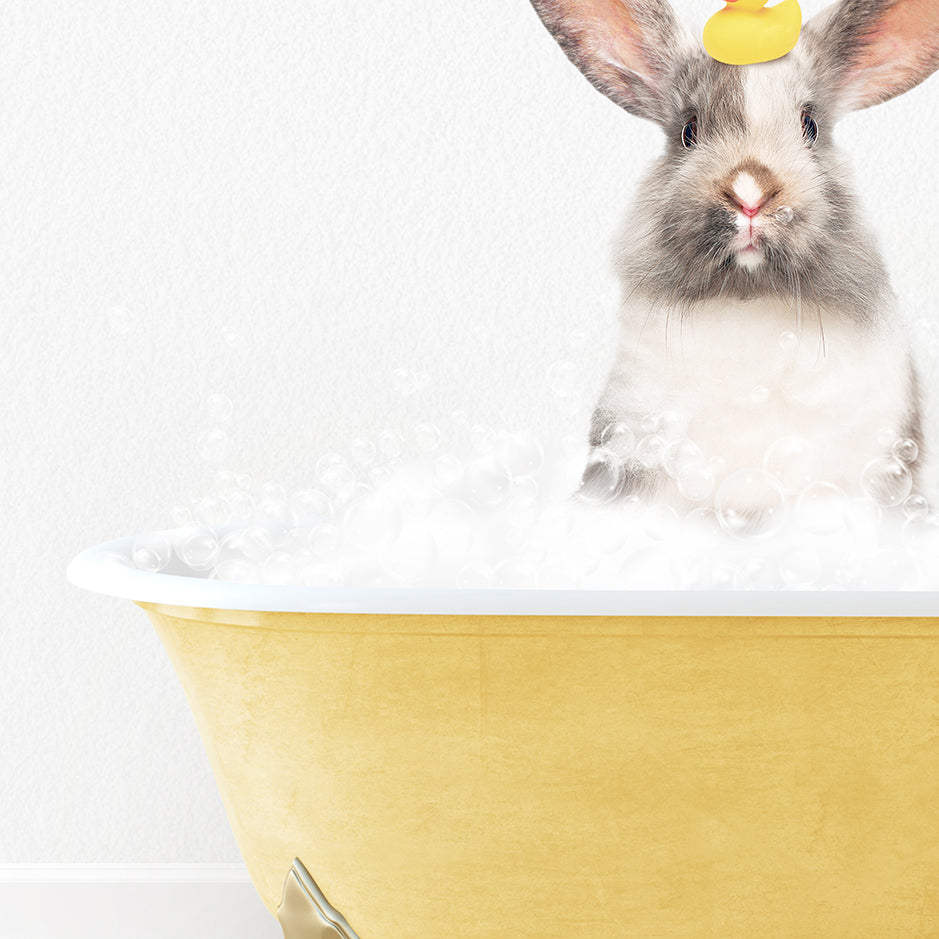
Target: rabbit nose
point(750, 186)
point(750, 210)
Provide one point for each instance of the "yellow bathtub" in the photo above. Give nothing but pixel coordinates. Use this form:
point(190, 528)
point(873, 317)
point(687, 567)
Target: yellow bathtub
point(551, 764)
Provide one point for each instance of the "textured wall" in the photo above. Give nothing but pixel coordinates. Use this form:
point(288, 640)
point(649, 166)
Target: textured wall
point(282, 203)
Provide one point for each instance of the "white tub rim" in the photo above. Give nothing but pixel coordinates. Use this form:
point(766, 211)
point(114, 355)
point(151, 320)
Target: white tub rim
point(98, 570)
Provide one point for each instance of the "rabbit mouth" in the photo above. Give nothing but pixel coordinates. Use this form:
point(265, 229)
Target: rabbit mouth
point(750, 256)
point(748, 243)
point(748, 246)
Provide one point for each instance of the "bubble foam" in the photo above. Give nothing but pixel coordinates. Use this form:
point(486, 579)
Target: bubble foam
point(479, 507)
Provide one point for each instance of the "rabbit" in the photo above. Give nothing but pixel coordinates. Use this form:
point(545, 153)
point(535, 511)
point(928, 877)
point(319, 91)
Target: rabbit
point(758, 328)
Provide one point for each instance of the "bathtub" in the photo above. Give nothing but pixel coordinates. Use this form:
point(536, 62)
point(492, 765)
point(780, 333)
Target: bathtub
point(474, 764)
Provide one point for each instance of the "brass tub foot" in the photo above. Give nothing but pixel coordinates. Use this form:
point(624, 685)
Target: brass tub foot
point(304, 913)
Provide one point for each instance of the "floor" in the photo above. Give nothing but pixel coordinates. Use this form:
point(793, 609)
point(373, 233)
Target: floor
point(134, 911)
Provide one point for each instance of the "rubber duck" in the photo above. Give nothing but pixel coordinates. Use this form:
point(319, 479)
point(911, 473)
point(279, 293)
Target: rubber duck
point(744, 33)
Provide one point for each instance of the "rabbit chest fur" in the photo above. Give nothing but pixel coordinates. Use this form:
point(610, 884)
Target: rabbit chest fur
point(736, 376)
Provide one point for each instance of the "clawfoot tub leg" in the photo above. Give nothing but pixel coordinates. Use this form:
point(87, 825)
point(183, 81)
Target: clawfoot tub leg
point(304, 913)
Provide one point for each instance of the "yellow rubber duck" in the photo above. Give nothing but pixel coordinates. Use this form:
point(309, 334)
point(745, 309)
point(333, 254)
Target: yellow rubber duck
point(744, 33)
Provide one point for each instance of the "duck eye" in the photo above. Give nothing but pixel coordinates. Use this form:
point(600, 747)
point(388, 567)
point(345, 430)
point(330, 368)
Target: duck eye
point(809, 127)
point(689, 133)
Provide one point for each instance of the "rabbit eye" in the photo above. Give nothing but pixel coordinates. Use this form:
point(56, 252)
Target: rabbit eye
point(689, 133)
point(809, 127)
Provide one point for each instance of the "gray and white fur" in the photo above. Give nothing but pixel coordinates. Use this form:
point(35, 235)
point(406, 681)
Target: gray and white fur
point(756, 303)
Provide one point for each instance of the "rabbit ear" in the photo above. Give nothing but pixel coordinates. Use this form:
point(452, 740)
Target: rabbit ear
point(625, 47)
point(875, 49)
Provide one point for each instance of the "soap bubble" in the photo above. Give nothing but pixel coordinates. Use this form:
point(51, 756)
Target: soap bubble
point(476, 577)
point(238, 571)
point(372, 522)
point(241, 506)
point(219, 408)
point(651, 450)
point(886, 567)
point(618, 439)
point(525, 491)
point(448, 470)
point(482, 438)
point(800, 567)
point(821, 507)
point(886, 481)
point(278, 568)
point(793, 463)
point(363, 452)
point(704, 518)
point(788, 341)
point(452, 524)
point(556, 521)
point(118, 558)
point(602, 479)
point(680, 454)
point(336, 476)
point(723, 575)
point(214, 445)
point(517, 573)
point(308, 504)
point(562, 378)
point(757, 574)
point(413, 553)
point(254, 543)
point(225, 483)
point(701, 572)
point(391, 445)
point(182, 516)
point(318, 574)
point(660, 522)
point(151, 552)
point(295, 540)
point(379, 476)
point(915, 507)
point(272, 491)
point(921, 536)
point(489, 481)
point(905, 450)
point(213, 511)
point(198, 548)
point(695, 481)
point(672, 425)
point(521, 454)
point(325, 540)
point(862, 517)
point(749, 503)
point(271, 510)
point(427, 437)
point(386, 580)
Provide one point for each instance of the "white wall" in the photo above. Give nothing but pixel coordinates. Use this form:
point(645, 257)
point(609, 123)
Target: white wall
point(283, 203)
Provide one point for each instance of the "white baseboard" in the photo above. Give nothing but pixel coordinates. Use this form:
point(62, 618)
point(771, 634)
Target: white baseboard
point(131, 901)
